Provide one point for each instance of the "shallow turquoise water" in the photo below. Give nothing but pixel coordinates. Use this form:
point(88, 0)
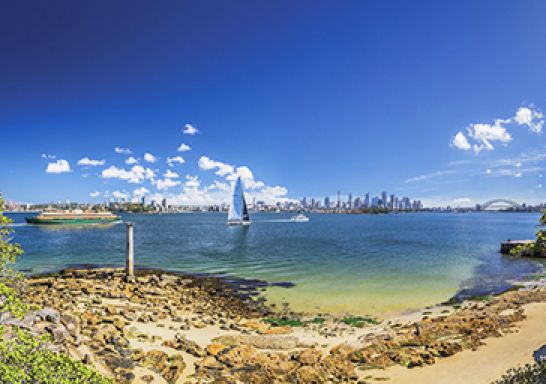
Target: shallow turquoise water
point(381, 265)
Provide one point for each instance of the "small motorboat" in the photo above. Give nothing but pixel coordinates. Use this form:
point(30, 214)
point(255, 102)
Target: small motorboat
point(300, 218)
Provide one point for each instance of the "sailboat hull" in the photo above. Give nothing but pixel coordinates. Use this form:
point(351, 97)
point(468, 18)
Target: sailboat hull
point(238, 223)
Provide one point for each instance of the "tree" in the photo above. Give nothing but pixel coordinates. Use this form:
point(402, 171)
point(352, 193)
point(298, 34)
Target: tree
point(8, 251)
point(538, 247)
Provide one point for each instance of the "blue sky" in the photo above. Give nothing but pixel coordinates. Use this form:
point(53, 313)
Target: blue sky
point(301, 98)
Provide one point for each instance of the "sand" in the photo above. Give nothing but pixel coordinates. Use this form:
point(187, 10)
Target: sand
point(486, 364)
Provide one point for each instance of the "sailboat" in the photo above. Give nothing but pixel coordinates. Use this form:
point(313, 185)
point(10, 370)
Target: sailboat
point(238, 212)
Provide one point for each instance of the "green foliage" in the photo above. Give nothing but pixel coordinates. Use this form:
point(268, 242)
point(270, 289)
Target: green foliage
point(359, 321)
point(9, 302)
point(529, 374)
point(318, 320)
point(536, 249)
point(24, 359)
point(480, 298)
point(8, 250)
point(282, 322)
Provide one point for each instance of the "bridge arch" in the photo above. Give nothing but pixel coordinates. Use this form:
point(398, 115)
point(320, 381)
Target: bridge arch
point(490, 203)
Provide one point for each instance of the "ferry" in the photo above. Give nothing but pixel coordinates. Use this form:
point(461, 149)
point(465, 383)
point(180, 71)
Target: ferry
point(73, 217)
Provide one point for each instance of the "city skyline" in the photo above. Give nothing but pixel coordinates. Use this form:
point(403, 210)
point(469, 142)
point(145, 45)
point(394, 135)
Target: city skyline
point(366, 97)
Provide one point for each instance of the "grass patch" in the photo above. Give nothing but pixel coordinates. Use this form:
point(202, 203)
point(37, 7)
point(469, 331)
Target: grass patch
point(282, 322)
point(426, 313)
point(480, 298)
point(359, 321)
point(318, 320)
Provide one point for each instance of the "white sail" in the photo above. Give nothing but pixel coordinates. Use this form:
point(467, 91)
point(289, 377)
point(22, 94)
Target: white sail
point(238, 212)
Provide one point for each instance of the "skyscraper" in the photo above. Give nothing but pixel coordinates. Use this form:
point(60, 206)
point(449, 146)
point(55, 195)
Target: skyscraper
point(327, 202)
point(384, 199)
point(350, 201)
point(367, 200)
point(338, 199)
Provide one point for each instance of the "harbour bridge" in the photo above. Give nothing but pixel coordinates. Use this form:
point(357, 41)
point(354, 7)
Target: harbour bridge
point(497, 204)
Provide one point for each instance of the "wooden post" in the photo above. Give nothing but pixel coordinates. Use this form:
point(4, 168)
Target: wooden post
point(130, 249)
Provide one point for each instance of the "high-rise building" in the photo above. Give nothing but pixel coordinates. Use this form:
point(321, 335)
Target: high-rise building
point(338, 199)
point(164, 203)
point(327, 202)
point(367, 200)
point(304, 202)
point(358, 203)
point(392, 202)
point(350, 202)
point(384, 199)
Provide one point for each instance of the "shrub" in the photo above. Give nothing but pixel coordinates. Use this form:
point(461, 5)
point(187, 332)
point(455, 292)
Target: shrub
point(529, 374)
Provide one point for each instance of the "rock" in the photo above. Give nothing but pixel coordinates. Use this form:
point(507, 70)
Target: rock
point(147, 378)
point(176, 368)
point(58, 332)
point(238, 356)
point(210, 362)
point(269, 342)
point(309, 356)
point(181, 343)
point(308, 374)
point(276, 331)
point(214, 349)
point(49, 314)
point(116, 363)
point(156, 360)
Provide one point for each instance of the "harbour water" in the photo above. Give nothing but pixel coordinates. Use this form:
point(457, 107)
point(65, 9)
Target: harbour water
point(361, 264)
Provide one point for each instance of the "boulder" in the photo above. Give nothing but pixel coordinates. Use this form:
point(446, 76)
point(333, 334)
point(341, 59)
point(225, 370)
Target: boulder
point(49, 314)
point(270, 342)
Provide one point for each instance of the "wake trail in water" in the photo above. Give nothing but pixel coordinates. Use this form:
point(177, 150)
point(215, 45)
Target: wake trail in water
point(273, 221)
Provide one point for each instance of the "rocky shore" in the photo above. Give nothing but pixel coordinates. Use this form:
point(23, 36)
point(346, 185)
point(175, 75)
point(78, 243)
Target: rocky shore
point(167, 328)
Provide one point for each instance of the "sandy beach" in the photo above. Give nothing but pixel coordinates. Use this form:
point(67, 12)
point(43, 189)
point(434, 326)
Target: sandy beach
point(165, 328)
point(484, 365)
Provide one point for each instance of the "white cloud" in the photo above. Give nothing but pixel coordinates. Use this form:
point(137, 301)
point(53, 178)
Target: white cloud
point(141, 191)
point(532, 118)
point(219, 185)
point(95, 194)
point(60, 166)
point(183, 148)
point(166, 183)
point(120, 195)
point(484, 135)
point(150, 158)
point(90, 162)
point(192, 181)
point(49, 157)
point(460, 141)
point(131, 160)
point(173, 160)
point(137, 174)
point(428, 176)
point(190, 130)
point(488, 171)
point(124, 151)
point(513, 172)
point(222, 169)
point(171, 175)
